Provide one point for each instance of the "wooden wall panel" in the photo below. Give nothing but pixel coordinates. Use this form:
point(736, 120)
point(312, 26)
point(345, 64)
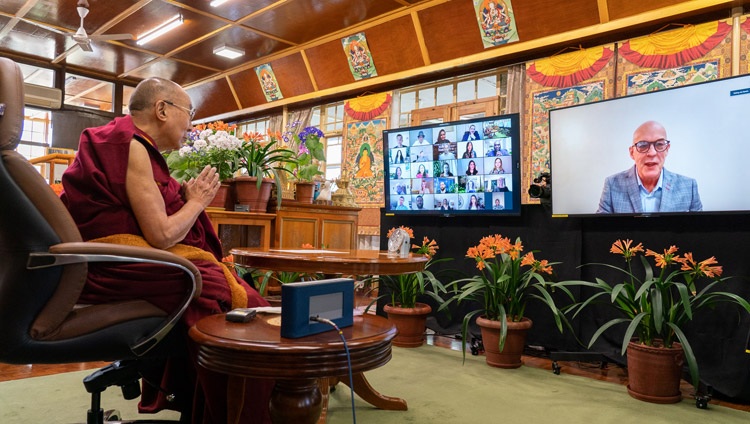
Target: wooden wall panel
point(248, 88)
point(623, 8)
point(541, 18)
point(212, 98)
point(450, 30)
point(329, 65)
point(292, 75)
point(394, 46)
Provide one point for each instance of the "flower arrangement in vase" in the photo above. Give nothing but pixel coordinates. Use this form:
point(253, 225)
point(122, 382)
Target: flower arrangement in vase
point(505, 283)
point(657, 306)
point(310, 155)
point(214, 144)
point(265, 158)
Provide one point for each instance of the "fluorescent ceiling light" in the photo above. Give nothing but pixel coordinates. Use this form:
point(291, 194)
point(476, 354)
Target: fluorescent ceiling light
point(162, 29)
point(217, 3)
point(230, 52)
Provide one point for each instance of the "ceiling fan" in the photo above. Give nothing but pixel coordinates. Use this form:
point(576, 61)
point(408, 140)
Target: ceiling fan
point(83, 39)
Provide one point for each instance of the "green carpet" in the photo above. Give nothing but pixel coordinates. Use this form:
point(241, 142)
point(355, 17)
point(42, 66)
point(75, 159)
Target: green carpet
point(436, 386)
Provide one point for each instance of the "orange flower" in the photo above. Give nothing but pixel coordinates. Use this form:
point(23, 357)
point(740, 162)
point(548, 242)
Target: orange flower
point(663, 260)
point(702, 268)
point(228, 258)
point(622, 247)
point(428, 247)
point(408, 230)
point(307, 246)
point(538, 266)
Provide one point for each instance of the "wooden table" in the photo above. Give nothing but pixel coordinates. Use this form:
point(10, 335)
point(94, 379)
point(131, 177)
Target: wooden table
point(256, 349)
point(347, 262)
point(354, 262)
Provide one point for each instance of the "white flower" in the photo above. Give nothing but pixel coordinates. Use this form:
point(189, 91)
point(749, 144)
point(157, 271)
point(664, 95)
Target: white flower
point(200, 144)
point(186, 150)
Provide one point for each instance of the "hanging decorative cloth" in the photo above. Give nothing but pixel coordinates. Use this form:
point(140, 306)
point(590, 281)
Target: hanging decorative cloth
point(366, 108)
point(569, 69)
point(671, 49)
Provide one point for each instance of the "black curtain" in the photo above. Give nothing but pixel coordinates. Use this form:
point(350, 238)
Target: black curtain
point(718, 336)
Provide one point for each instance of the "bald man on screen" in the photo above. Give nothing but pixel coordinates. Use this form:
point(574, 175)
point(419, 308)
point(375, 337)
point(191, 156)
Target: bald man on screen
point(647, 186)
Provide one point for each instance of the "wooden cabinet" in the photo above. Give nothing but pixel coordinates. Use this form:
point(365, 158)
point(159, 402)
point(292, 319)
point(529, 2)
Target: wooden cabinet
point(334, 227)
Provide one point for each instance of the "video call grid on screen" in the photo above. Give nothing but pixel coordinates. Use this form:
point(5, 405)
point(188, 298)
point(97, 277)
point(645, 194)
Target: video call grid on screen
point(462, 167)
point(706, 124)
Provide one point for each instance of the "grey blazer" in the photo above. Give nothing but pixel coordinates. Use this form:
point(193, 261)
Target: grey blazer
point(621, 194)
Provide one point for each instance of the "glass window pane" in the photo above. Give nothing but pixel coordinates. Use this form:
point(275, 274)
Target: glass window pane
point(88, 92)
point(426, 98)
point(127, 91)
point(465, 91)
point(486, 87)
point(408, 101)
point(333, 172)
point(445, 95)
point(38, 76)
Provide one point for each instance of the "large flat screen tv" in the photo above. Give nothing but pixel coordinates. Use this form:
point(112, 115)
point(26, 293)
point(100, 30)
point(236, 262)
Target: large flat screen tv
point(705, 166)
point(454, 168)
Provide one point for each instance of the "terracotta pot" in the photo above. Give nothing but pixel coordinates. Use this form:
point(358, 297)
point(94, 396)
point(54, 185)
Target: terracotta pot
point(304, 192)
point(246, 193)
point(410, 323)
point(654, 372)
point(515, 341)
point(223, 199)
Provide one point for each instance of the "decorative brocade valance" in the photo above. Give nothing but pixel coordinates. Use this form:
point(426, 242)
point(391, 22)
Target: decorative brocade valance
point(675, 48)
point(569, 69)
point(366, 108)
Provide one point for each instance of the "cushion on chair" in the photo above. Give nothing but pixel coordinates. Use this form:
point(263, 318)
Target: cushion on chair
point(85, 320)
point(11, 98)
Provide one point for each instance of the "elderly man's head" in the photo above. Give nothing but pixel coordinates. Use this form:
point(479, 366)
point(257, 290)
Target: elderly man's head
point(649, 150)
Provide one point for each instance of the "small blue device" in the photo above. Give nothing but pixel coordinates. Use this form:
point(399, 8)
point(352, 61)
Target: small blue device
point(332, 299)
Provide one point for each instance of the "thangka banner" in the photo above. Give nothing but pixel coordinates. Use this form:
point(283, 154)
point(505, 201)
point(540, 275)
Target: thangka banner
point(582, 76)
point(268, 82)
point(359, 56)
point(692, 54)
point(496, 22)
point(363, 153)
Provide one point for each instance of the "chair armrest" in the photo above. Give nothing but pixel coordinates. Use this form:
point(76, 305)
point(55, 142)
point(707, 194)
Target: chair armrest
point(84, 252)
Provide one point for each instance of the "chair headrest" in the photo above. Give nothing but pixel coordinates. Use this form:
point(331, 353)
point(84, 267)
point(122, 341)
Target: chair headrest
point(11, 104)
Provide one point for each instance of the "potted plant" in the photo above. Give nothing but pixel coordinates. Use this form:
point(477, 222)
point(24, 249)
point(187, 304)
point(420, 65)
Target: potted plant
point(656, 309)
point(310, 154)
point(505, 283)
point(408, 315)
point(214, 144)
point(262, 161)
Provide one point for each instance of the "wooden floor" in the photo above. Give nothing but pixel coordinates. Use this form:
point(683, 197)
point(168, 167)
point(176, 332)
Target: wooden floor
point(610, 372)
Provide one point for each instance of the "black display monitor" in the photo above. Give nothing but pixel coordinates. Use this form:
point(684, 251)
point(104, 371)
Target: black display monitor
point(706, 126)
point(454, 168)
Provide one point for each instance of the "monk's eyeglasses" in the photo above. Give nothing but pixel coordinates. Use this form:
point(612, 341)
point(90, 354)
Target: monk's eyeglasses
point(190, 112)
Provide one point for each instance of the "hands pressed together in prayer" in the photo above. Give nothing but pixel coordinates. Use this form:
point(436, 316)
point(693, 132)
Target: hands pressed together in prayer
point(203, 188)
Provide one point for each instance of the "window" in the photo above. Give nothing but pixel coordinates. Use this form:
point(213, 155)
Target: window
point(253, 126)
point(127, 91)
point(36, 133)
point(89, 93)
point(454, 90)
point(330, 119)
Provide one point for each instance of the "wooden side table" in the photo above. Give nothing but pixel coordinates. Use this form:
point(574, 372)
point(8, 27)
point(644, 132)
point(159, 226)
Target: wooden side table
point(256, 349)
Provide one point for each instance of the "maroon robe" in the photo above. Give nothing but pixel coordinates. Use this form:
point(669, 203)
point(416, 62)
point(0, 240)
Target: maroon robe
point(95, 195)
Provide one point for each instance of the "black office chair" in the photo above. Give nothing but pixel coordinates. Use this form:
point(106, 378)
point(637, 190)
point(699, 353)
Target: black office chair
point(43, 267)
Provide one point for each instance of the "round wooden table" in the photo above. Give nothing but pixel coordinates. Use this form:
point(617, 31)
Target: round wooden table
point(347, 262)
point(256, 349)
